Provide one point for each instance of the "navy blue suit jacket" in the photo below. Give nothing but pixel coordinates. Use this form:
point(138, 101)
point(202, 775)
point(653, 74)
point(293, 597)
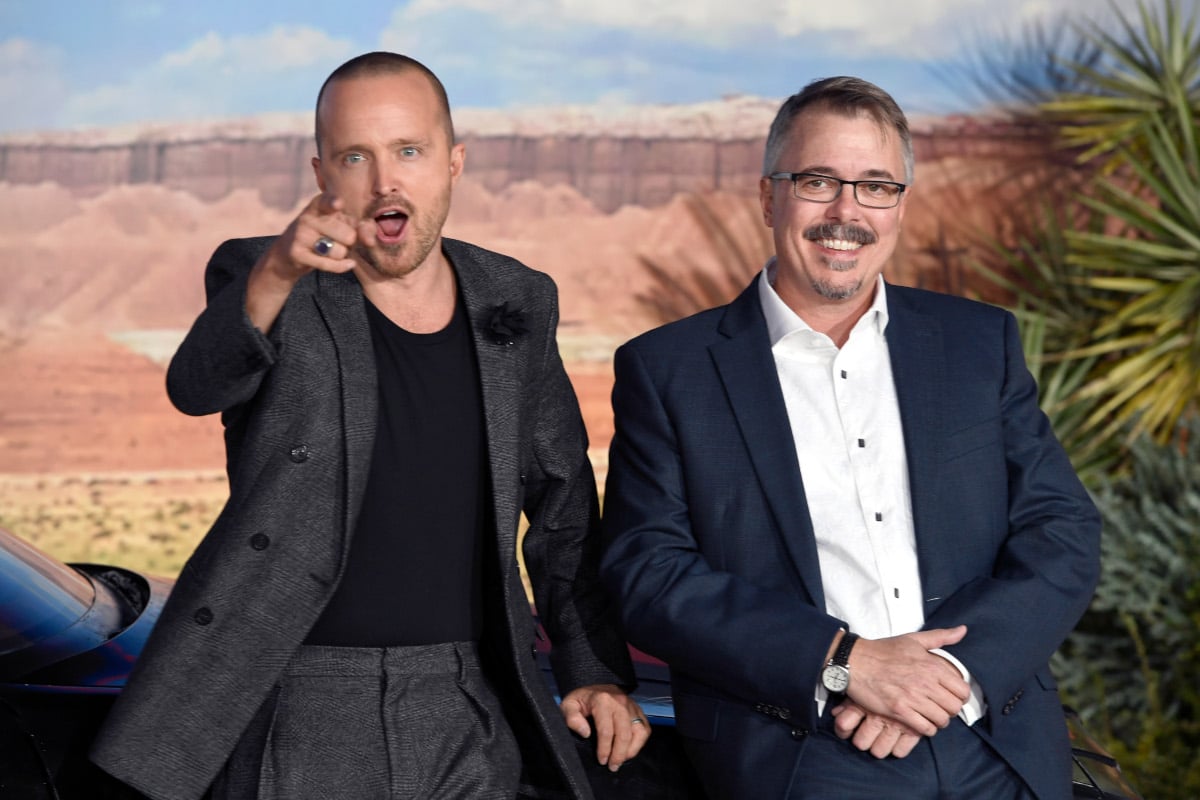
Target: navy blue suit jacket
point(711, 556)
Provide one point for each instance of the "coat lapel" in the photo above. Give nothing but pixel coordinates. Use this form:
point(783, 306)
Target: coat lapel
point(917, 352)
point(340, 301)
point(500, 371)
point(747, 369)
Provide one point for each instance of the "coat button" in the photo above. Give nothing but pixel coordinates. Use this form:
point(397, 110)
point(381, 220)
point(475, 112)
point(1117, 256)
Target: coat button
point(299, 454)
point(799, 733)
point(260, 541)
point(203, 615)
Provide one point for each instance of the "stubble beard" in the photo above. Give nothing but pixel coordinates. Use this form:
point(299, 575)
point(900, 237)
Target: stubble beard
point(402, 259)
point(836, 291)
point(826, 288)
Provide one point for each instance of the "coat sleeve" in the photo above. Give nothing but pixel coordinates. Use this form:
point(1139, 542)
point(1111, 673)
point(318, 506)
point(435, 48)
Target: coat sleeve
point(561, 546)
point(223, 358)
point(1046, 566)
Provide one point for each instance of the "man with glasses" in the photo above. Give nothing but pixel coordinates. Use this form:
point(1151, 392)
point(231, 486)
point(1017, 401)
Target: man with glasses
point(835, 509)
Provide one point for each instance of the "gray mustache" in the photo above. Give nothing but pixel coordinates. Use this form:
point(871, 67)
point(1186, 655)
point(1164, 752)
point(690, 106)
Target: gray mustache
point(849, 233)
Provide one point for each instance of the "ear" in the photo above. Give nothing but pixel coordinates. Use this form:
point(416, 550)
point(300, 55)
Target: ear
point(766, 198)
point(316, 165)
point(458, 159)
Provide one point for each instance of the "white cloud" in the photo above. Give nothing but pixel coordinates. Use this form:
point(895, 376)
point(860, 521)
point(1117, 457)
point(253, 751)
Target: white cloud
point(280, 49)
point(215, 75)
point(914, 27)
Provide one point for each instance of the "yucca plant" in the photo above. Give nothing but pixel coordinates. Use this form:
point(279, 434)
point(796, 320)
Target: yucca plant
point(1109, 258)
point(1139, 129)
point(1149, 69)
point(1147, 281)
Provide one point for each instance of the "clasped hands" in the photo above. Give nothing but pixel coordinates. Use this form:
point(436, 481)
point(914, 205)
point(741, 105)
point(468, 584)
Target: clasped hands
point(900, 691)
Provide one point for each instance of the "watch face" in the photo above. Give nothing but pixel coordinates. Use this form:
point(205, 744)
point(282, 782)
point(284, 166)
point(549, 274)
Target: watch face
point(835, 678)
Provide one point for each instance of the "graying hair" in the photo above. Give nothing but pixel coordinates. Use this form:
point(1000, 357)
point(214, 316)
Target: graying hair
point(842, 95)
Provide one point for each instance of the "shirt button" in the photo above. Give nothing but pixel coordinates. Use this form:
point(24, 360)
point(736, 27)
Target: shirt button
point(299, 454)
point(260, 541)
point(203, 615)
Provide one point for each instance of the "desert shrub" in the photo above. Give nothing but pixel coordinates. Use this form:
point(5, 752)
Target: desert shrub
point(1132, 667)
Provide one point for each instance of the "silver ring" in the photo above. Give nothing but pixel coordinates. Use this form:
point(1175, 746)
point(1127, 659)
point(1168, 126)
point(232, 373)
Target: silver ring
point(323, 246)
point(637, 721)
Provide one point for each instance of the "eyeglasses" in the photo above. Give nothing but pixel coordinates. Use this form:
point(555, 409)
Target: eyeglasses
point(816, 188)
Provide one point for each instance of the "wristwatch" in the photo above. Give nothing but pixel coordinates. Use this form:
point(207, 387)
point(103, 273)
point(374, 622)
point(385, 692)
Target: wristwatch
point(836, 675)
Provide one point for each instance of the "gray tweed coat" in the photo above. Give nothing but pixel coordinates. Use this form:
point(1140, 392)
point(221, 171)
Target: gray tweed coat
point(299, 408)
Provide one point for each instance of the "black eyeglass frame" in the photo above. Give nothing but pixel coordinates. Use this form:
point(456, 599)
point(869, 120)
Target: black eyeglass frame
point(841, 184)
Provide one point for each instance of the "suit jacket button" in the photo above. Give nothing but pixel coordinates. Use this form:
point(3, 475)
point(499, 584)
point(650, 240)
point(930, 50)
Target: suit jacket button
point(799, 733)
point(785, 713)
point(260, 541)
point(299, 454)
point(203, 615)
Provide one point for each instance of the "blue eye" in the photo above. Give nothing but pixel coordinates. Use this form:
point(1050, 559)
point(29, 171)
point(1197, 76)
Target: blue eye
point(409, 152)
point(354, 158)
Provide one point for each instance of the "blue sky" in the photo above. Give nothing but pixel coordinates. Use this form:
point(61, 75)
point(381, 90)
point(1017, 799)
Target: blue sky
point(85, 63)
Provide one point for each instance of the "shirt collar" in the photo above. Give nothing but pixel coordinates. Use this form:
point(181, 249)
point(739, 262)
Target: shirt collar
point(782, 321)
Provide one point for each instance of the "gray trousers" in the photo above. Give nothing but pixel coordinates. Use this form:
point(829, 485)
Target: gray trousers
point(377, 724)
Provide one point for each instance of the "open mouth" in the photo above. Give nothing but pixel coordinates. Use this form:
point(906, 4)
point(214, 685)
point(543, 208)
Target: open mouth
point(390, 225)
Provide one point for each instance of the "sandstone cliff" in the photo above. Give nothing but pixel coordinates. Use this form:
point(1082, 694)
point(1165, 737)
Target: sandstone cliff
point(613, 156)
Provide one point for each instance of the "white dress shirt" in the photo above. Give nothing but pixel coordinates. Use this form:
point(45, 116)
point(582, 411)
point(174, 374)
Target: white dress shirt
point(845, 420)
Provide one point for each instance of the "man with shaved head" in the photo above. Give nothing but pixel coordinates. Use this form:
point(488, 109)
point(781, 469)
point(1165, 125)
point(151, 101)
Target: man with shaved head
point(355, 625)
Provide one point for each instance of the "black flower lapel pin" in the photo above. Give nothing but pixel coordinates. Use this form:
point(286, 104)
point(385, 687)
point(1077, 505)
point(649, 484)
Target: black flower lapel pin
point(505, 324)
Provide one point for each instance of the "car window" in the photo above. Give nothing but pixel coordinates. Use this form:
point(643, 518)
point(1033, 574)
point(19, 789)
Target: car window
point(39, 596)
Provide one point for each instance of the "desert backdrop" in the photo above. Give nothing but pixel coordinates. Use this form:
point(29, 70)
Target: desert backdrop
point(104, 235)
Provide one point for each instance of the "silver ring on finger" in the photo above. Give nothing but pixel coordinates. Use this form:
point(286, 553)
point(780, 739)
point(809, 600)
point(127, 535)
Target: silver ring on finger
point(323, 246)
point(637, 721)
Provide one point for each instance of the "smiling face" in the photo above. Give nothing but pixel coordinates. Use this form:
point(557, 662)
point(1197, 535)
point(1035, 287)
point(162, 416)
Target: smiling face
point(386, 152)
point(829, 254)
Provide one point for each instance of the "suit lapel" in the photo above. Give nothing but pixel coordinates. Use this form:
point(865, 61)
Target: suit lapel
point(340, 301)
point(917, 354)
point(747, 369)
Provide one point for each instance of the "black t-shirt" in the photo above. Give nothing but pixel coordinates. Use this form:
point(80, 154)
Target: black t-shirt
point(414, 574)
